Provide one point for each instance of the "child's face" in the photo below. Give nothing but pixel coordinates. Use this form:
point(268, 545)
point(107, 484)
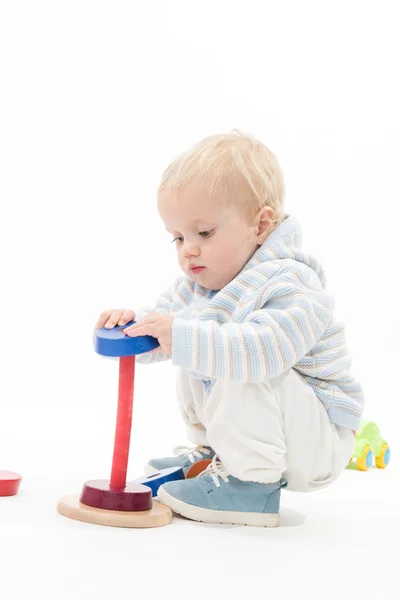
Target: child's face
point(209, 234)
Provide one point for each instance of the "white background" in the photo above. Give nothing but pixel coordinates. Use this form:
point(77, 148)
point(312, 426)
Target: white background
point(96, 98)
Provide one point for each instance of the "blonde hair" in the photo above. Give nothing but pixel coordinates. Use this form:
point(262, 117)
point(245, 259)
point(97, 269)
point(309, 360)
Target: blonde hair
point(235, 163)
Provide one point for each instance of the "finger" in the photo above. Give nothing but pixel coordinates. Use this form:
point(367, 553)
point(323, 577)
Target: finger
point(133, 327)
point(103, 318)
point(143, 323)
point(137, 331)
point(114, 318)
point(127, 315)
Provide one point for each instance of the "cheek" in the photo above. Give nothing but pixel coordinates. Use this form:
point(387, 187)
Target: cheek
point(226, 257)
point(180, 257)
point(234, 255)
point(231, 249)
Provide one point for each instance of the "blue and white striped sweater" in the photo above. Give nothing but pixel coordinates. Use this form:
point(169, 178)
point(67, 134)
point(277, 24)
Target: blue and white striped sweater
point(273, 316)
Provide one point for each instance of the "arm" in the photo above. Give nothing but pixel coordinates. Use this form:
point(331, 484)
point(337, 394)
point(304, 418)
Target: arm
point(294, 314)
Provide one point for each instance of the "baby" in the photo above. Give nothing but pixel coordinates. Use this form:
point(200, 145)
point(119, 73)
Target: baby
point(265, 386)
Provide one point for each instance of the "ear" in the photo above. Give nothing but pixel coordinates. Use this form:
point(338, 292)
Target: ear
point(265, 222)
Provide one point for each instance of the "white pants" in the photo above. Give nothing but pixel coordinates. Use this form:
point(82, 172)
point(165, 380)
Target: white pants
point(263, 431)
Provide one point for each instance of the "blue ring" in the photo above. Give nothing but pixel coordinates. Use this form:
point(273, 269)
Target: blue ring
point(113, 342)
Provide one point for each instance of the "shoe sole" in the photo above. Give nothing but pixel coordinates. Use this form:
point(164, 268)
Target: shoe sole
point(225, 517)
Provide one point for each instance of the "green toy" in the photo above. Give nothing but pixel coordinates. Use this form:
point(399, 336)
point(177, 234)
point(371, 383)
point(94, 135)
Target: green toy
point(369, 443)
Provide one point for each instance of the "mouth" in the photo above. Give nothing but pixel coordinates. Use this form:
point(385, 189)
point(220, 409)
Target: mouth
point(196, 270)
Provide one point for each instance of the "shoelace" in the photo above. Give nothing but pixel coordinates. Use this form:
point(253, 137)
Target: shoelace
point(191, 452)
point(215, 470)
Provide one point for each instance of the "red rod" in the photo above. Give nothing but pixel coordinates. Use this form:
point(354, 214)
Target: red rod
point(124, 422)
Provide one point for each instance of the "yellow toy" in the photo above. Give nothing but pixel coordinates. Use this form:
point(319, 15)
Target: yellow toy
point(369, 443)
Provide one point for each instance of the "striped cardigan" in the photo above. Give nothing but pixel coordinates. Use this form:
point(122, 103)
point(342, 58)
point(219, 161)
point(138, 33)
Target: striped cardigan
point(273, 316)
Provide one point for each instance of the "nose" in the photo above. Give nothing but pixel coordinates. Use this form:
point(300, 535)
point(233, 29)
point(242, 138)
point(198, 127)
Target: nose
point(190, 249)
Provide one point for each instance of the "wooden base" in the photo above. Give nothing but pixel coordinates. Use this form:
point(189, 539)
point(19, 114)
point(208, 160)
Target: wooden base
point(158, 515)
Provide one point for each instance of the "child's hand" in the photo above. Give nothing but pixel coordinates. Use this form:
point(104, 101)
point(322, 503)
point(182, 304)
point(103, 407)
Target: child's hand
point(156, 325)
point(113, 317)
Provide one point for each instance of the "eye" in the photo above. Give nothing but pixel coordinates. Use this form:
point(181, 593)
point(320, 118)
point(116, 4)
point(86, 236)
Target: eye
point(178, 239)
point(206, 234)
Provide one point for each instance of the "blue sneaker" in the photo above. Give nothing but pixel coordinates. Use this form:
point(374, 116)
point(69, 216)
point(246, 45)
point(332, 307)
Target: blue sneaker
point(216, 497)
point(183, 457)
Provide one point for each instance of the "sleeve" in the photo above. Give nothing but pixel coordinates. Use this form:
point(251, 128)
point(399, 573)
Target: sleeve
point(295, 311)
